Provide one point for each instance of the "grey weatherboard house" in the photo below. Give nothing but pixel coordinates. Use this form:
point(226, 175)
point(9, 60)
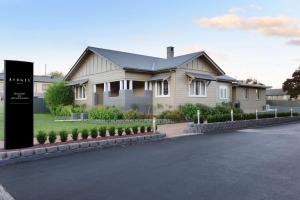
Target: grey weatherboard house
point(114, 78)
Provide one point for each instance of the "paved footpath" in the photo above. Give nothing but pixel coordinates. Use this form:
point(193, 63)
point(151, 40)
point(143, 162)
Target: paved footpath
point(248, 164)
point(173, 130)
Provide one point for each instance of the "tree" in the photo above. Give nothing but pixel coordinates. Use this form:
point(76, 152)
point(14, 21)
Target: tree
point(59, 94)
point(56, 74)
point(292, 85)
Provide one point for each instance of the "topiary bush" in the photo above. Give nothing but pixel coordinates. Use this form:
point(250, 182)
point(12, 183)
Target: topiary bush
point(131, 114)
point(52, 137)
point(174, 115)
point(142, 129)
point(135, 129)
point(74, 134)
point(85, 134)
point(127, 131)
point(41, 137)
point(148, 128)
point(120, 130)
point(94, 132)
point(112, 131)
point(102, 131)
point(58, 94)
point(63, 136)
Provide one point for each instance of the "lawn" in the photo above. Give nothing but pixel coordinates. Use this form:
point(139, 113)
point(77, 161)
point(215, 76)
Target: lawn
point(46, 123)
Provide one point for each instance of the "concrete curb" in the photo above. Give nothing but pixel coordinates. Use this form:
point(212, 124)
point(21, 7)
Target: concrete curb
point(4, 195)
point(63, 149)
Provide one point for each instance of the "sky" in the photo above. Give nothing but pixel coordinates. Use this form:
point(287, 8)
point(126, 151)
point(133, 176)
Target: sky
point(247, 39)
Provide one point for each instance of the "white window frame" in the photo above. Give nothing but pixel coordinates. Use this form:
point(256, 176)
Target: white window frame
point(225, 89)
point(194, 82)
point(81, 89)
point(162, 86)
point(257, 93)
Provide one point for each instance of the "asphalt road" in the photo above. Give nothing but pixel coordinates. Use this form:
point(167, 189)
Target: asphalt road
point(249, 164)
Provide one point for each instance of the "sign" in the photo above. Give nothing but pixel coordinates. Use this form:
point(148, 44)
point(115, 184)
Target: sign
point(18, 104)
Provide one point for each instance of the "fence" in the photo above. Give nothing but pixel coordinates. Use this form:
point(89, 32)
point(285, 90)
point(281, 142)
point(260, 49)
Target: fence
point(284, 105)
point(39, 105)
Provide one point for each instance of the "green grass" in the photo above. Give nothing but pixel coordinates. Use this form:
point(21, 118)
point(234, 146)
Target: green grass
point(49, 124)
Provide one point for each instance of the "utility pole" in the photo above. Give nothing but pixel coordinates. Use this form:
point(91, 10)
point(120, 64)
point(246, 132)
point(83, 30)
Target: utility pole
point(45, 69)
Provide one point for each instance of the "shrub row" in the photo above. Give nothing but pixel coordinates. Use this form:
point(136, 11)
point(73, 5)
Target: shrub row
point(113, 113)
point(102, 131)
point(61, 110)
point(188, 111)
point(242, 116)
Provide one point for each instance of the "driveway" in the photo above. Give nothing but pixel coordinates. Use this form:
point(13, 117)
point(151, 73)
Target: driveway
point(248, 164)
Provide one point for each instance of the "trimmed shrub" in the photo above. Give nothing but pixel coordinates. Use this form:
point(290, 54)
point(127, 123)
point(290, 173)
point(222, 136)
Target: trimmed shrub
point(142, 129)
point(59, 94)
point(63, 136)
point(41, 137)
point(102, 131)
point(174, 115)
point(112, 131)
point(127, 131)
point(149, 128)
point(85, 134)
point(74, 134)
point(131, 114)
point(52, 137)
point(135, 129)
point(94, 133)
point(106, 113)
point(120, 130)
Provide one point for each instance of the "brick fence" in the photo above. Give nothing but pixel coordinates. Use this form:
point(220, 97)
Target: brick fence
point(235, 125)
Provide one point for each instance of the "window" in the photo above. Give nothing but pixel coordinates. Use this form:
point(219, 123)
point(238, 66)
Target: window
point(197, 89)
point(45, 87)
point(80, 93)
point(257, 91)
point(246, 93)
point(162, 88)
point(223, 92)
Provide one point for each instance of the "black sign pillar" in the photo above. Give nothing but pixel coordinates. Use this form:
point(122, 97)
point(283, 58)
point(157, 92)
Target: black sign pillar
point(18, 104)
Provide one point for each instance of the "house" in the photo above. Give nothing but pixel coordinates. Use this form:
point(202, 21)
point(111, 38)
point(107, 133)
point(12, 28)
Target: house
point(40, 86)
point(277, 94)
point(115, 78)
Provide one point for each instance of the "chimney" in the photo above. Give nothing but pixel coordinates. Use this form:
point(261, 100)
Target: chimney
point(170, 52)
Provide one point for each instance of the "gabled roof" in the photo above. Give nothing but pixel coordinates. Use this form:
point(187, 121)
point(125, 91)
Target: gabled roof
point(131, 61)
point(39, 78)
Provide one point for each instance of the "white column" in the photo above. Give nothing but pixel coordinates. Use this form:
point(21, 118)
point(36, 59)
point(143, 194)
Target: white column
point(94, 88)
point(108, 86)
point(130, 85)
point(105, 87)
point(146, 85)
point(125, 84)
point(121, 84)
point(150, 85)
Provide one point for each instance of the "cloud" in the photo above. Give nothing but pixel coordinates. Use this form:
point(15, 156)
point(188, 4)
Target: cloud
point(294, 42)
point(281, 26)
point(251, 7)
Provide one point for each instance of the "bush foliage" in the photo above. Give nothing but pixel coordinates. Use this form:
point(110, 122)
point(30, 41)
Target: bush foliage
point(41, 137)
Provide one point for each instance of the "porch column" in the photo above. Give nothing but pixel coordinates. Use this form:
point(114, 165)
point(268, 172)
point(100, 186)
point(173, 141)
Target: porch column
point(105, 87)
point(150, 85)
point(125, 84)
point(108, 86)
point(146, 85)
point(130, 85)
point(121, 84)
point(94, 94)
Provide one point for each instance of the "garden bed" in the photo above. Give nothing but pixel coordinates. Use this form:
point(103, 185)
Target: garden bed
point(235, 125)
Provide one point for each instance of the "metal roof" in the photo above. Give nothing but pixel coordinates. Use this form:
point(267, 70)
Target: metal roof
point(78, 82)
point(160, 77)
point(241, 84)
point(200, 76)
point(226, 78)
point(39, 78)
point(131, 61)
point(275, 92)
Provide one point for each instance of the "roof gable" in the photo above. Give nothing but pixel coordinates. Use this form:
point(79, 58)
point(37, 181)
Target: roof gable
point(131, 61)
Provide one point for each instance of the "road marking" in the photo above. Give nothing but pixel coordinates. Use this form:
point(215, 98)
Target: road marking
point(5, 195)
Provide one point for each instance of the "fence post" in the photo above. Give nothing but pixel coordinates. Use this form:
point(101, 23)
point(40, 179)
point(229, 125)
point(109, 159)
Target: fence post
point(231, 113)
point(256, 115)
point(275, 112)
point(291, 112)
point(154, 124)
point(198, 115)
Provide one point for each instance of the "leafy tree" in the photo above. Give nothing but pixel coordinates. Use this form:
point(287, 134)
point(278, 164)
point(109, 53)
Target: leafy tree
point(58, 94)
point(57, 74)
point(292, 85)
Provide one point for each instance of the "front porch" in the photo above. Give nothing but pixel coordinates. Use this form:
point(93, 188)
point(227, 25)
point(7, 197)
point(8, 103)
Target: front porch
point(127, 94)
